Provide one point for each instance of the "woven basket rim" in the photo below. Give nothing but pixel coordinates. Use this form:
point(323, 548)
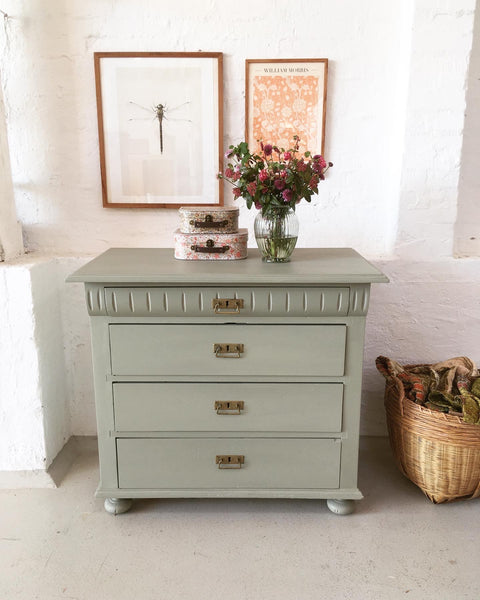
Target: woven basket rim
point(429, 423)
point(410, 404)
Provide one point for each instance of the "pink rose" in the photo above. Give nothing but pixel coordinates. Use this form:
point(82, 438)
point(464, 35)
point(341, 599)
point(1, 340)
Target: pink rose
point(287, 156)
point(263, 175)
point(320, 160)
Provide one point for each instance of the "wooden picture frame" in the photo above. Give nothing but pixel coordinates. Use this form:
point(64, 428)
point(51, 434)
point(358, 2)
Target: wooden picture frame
point(283, 98)
point(160, 127)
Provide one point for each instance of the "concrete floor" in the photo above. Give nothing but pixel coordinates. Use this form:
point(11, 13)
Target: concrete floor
point(60, 544)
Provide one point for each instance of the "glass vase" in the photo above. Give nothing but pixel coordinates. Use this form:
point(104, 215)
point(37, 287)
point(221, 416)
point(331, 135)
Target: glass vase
point(276, 232)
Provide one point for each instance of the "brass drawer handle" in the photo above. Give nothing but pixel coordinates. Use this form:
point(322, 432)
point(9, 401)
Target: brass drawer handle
point(210, 247)
point(228, 350)
point(230, 461)
point(209, 222)
point(227, 306)
point(226, 407)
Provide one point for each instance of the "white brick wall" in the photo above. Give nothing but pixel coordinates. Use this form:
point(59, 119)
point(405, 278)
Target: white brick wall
point(50, 97)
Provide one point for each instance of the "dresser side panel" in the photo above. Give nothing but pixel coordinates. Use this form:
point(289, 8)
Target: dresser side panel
point(352, 401)
point(104, 402)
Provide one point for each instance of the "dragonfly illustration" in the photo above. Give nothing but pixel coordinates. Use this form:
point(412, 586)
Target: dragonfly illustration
point(161, 113)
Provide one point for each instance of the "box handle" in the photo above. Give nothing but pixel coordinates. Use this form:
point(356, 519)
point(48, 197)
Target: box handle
point(209, 222)
point(210, 247)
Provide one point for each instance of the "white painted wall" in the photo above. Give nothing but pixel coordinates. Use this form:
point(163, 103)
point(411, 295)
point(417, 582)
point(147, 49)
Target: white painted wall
point(395, 118)
point(22, 443)
point(34, 415)
point(11, 242)
point(48, 70)
point(467, 232)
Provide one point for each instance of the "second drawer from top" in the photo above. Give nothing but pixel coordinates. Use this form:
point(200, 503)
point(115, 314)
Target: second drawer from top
point(243, 350)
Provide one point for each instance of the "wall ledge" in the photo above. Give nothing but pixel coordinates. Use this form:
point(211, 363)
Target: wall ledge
point(54, 475)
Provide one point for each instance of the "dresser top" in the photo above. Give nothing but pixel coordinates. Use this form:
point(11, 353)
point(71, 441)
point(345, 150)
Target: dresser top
point(157, 265)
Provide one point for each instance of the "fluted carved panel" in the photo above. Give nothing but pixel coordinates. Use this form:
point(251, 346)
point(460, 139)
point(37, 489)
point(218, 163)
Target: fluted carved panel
point(171, 302)
point(359, 299)
point(94, 296)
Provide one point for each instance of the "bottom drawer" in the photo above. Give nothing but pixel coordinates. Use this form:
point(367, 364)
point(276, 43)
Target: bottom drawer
point(290, 463)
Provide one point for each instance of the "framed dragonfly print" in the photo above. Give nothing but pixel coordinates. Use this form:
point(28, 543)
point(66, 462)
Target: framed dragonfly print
point(286, 97)
point(160, 128)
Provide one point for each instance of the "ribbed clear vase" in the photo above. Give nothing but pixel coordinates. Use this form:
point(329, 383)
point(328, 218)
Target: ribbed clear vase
point(276, 233)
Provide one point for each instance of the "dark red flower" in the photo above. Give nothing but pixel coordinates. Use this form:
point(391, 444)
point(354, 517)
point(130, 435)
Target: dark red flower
point(268, 149)
point(301, 166)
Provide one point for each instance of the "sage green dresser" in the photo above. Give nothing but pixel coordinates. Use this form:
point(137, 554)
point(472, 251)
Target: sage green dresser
point(228, 378)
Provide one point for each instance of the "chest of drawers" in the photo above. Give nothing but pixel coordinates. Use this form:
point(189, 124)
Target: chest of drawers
point(238, 379)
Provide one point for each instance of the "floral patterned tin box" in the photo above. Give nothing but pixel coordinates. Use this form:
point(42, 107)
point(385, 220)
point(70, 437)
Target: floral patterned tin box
point(198, 219)
point(211, 246)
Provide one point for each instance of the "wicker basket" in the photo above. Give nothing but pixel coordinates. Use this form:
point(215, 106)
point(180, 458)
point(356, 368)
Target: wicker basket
point(438, 452)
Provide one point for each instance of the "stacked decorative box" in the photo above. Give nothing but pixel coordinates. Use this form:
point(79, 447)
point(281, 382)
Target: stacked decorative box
point(210, 233)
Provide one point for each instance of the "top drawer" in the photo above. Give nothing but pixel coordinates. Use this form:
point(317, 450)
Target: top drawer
point(207, 301)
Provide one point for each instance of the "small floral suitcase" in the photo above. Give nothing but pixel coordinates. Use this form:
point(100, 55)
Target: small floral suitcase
point(211, 245)
point(198, 219)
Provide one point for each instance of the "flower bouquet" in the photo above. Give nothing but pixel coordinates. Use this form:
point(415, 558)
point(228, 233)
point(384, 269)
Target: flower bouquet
point(274, 181)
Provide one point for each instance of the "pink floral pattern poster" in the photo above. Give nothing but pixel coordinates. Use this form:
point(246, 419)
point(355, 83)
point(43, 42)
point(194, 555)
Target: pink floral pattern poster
point(286, 99)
